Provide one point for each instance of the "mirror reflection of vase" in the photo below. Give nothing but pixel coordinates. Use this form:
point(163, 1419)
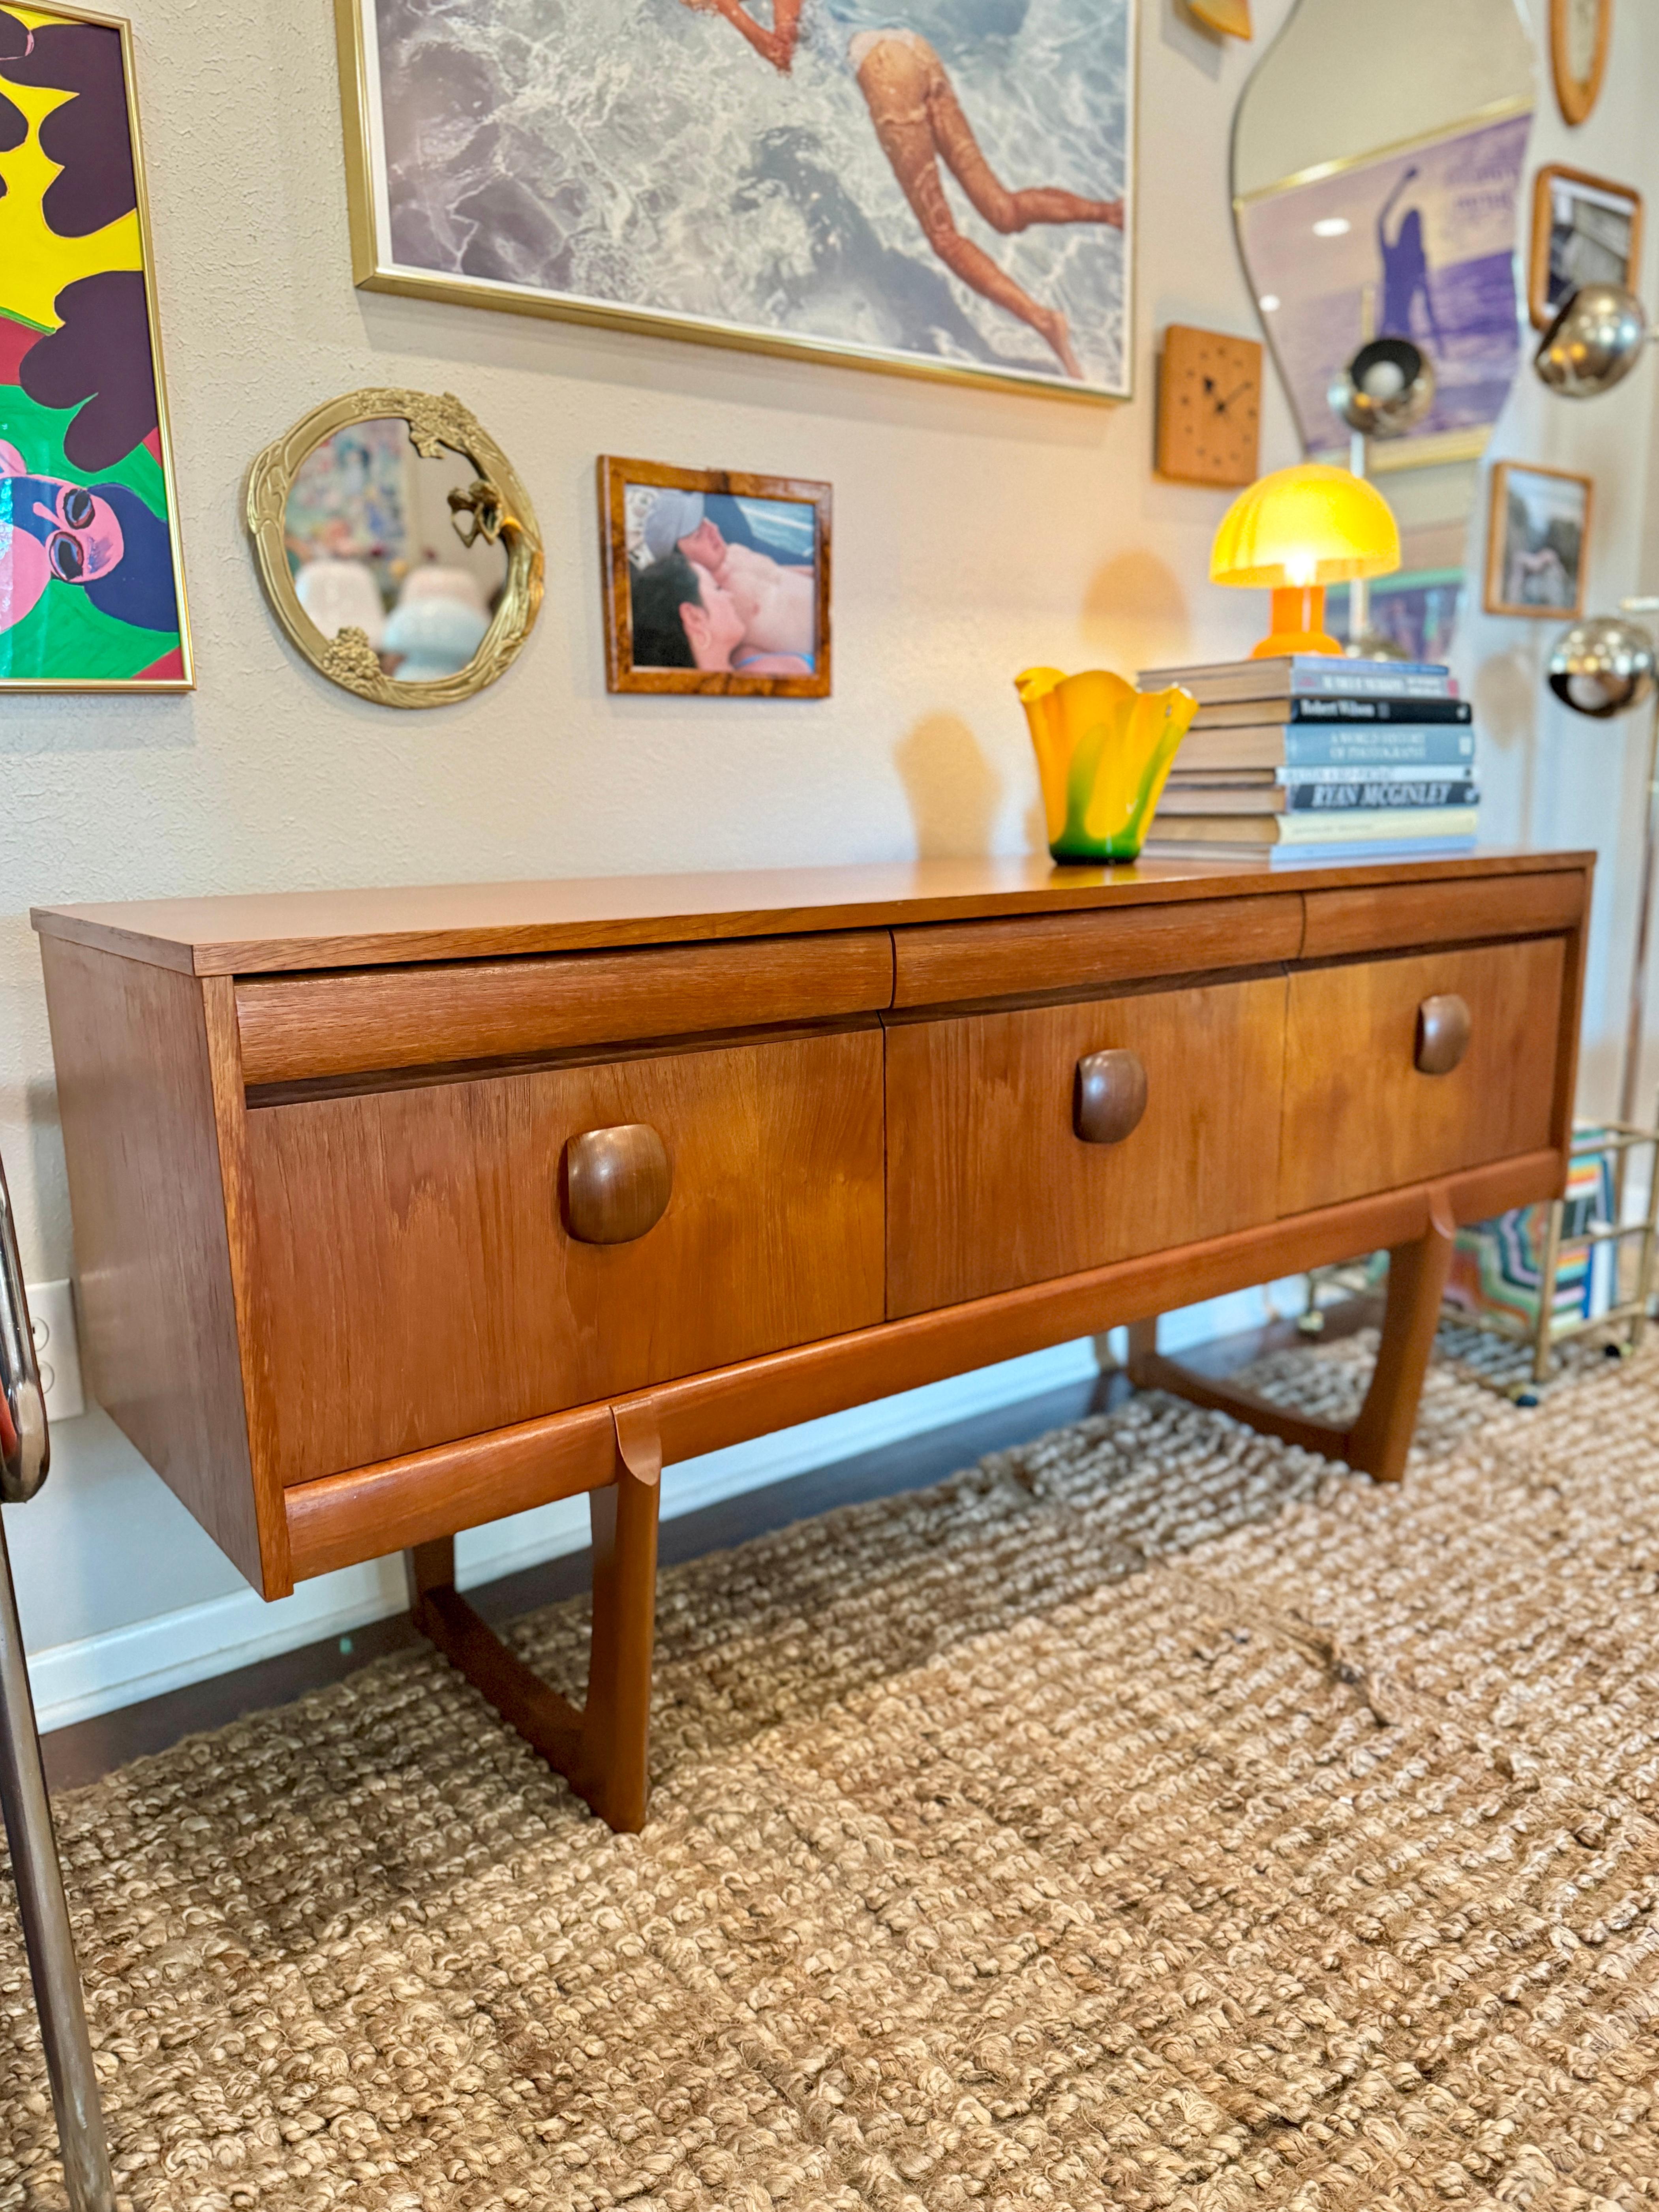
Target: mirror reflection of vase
point(1378, 185)
point(373, 543)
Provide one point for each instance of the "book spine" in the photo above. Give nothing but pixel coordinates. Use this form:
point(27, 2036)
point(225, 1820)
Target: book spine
point(1378, 823)
point(1324, 746)
point(1342, 679)
point(1371, 771)
point(1318, 708)
point(1317, 798)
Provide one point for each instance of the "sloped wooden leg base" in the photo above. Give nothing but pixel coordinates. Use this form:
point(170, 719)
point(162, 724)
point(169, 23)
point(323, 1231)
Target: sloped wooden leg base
point(600, 1747)
point(1381, 1436)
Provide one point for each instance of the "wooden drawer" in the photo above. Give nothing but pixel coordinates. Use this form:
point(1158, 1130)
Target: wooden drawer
point(936, 963)
point(1359, 1114)
point(295, 1028)
point(417, 1282)
point(989, 1186)
point(1390, 917)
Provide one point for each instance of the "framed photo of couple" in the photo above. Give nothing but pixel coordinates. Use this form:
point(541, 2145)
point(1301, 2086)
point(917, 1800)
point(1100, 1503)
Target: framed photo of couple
point(940, 188)
point(714, 582)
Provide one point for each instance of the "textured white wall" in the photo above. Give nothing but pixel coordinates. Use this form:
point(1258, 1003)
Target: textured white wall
point(976, 533)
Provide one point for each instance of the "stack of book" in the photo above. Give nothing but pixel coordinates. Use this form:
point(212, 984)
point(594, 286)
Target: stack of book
point(1315, 757)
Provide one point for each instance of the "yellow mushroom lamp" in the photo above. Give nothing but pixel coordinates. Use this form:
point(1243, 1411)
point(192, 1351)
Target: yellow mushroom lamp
point(1293, 532)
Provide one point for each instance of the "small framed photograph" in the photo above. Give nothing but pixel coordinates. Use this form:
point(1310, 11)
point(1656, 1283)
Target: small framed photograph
point(1585, 230)
point(1535, 541)
point(714, 581)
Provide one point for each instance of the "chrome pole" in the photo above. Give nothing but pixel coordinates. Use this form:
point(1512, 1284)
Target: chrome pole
point(24, 1458)
point(1359, 591)
point(1630, 1083)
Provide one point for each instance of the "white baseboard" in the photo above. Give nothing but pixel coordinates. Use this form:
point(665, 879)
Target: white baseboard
point(146, 1658)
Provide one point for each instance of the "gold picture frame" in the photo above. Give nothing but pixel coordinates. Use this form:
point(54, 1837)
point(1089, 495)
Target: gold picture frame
point(181, 677)
point(1556, 178)
point(1500, 597)
point(375, 268)
point(1578, 88)
point(498, 508)
point(616, 479)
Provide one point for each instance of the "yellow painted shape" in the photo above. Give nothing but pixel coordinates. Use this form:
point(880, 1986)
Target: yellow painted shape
point(32, 18)
point(36, 264)
point(1231, 16)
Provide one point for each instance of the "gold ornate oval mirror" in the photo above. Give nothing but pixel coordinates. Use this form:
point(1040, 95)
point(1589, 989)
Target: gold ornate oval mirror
point(396, 547)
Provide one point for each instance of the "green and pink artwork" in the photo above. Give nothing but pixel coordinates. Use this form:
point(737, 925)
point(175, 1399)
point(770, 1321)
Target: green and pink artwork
point(91, 588)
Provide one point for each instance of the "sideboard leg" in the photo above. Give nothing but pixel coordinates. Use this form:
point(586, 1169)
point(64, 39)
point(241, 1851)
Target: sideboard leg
point(616, 1727)
point(601, 1748)
point(1380, 1439)
point(1149, 1369)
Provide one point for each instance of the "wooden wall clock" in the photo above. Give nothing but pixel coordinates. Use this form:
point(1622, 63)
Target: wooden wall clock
point(1581, 31)
point(1209, 407)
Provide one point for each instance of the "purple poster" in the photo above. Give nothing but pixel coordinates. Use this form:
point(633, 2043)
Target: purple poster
point(1419, 245)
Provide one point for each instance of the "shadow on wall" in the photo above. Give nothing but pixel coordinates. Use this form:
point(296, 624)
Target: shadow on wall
point(953, 790)
point(1505, 700)
point(1135, 616)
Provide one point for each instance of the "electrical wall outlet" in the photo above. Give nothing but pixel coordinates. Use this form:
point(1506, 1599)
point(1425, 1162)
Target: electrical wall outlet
point(56, 1348)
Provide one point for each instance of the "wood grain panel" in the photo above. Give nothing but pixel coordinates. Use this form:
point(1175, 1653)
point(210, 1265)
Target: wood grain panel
point(1389, 916)
point(152, 1257)
point(259, 1398)
point(938, 963)
point(277, 932)
point(987, 1185)
point(1359, 1116)
point(298, 1027)
point(361, 1515)
point(397, 1503)
point(419, 1286)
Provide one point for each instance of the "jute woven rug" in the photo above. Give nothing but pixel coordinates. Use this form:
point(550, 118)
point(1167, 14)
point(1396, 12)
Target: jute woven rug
point(1153, 1816)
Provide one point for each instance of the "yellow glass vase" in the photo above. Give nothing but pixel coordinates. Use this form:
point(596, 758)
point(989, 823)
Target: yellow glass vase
point(1103, 750)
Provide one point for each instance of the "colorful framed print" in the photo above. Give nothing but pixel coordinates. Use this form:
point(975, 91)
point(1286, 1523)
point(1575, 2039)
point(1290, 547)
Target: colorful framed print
point(1585, 230)
point(92, 588)
point(714, 582)
point(1581, 31)
point(1418, 242)
point(949, 198)
point(1536, 535)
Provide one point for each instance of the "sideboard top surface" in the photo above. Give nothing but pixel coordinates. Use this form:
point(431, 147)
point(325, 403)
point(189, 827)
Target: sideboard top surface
point(280, 932)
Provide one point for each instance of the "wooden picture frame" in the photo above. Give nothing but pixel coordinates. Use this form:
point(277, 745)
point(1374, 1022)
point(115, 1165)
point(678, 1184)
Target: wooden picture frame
point(1578, 75)
point(741, 584)
point(1521, 580)
point(1557, 184)
point(599, 190)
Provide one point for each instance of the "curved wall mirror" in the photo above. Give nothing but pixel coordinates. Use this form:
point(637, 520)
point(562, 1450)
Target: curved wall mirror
point(1376, 192)
point(396, 547)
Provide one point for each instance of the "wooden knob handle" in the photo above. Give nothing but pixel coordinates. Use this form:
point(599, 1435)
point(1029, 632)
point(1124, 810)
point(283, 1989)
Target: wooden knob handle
point(1443, 1028)
point(617, 1183)
point(1108, 1098)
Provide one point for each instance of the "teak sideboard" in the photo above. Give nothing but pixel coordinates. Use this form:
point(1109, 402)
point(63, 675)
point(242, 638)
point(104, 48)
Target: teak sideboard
point(398, 1211)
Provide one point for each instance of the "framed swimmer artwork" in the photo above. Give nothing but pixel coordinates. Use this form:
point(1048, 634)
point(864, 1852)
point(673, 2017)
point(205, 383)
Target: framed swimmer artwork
point(1417, 241)
point(940, 187)
point(714, 582)
point(92, 593)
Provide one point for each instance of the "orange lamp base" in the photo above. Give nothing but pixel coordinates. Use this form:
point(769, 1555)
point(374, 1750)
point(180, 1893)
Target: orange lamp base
point(1298, 623)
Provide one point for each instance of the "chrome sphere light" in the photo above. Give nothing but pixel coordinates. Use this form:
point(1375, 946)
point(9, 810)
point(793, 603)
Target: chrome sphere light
point(1385, 390)
point(1603, 666)
point(1597, 339)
